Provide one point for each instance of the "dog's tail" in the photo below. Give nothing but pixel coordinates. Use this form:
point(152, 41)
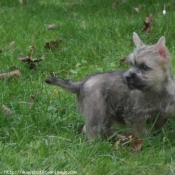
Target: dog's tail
point(70, 86)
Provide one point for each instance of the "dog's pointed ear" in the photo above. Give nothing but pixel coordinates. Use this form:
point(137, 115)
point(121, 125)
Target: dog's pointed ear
point(161, 48)
point(137, 41)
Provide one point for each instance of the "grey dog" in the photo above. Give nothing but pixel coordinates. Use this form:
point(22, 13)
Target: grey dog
point(143, 93)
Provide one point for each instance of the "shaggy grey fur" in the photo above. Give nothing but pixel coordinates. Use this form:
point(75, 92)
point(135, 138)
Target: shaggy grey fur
point(143, 93)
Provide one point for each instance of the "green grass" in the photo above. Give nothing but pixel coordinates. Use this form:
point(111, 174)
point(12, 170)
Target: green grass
point(94, 37)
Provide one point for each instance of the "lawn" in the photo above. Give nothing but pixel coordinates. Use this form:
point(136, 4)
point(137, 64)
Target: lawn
point(41, 133)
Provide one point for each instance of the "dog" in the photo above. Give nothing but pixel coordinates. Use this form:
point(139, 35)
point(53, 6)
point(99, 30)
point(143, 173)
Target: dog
point(144, 93)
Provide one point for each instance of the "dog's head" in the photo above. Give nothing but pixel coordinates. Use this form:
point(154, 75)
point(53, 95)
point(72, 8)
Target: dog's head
point(150, 65)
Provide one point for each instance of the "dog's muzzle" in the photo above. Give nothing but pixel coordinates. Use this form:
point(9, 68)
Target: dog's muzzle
point(133, 82)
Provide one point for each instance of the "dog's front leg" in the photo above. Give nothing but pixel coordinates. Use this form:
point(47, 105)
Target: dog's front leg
point(160, 123)
point(139, 128)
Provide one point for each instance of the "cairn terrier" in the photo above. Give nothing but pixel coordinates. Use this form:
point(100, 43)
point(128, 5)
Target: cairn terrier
point(145, 92)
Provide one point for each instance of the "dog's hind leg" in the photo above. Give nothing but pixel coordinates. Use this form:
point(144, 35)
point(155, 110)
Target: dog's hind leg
point(97, 123)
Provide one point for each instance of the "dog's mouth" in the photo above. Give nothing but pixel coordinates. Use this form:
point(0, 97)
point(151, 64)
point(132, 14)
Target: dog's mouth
point(136, 84)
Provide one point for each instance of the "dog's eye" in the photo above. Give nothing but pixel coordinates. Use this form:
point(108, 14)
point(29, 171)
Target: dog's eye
point(144, 67)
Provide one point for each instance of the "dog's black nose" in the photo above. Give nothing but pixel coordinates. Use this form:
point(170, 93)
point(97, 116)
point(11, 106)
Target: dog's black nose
point(127, 78)
point(130, 77)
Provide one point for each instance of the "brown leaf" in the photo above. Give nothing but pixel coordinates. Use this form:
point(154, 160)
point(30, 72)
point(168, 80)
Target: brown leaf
point(7, 110)
point(137, 9)
point(148, 23)
point(11, 45)
point(115, 4)
point(136, 142)
point(31, 102)
point(11, 74)
point(137, 145)
point(31, 61)
point(149, 19)
point(53, 44)
point(28, 59)
point(51, 26)
point(123, 140)
point(21, 2)
point(127, 140)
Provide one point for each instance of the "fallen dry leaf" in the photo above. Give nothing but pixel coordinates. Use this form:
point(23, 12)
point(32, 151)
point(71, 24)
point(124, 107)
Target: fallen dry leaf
point(51, 26)
point(137, 145)
point(136, 142)
point(149, 19)
point(31, 102)
point(53, 44)
point(115, 4)
point(11, 74)
point(11, 45)
point(7, 110)
point(21, 2)
point(31, 61)
point(137, 9)
point(28, 59)
point(148, 23)
point(128, 139)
